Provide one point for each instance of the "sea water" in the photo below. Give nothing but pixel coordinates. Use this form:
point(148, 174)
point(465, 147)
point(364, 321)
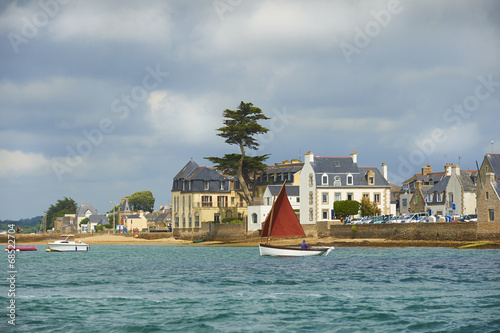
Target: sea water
point(138, 288)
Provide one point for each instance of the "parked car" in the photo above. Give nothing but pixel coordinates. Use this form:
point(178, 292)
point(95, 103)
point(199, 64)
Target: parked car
point(396, 219)
point(471, 218)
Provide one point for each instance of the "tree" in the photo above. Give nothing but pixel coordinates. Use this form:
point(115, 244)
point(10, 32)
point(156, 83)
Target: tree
point(61, 208)
point(240, 128)
point(346, 207)
point(368, 208)
point(142, 200)
point(252, 166)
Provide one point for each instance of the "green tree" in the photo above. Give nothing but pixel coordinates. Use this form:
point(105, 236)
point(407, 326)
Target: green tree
point(368, 208)
point(240, 128)
point(61, 208)
point(346, 207)
point(252, 166)
point(142, 200)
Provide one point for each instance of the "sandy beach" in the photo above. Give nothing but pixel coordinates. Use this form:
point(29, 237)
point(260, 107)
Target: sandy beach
point(168, 239)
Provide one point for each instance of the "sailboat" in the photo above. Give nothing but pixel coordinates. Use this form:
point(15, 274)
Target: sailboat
point(282, 222)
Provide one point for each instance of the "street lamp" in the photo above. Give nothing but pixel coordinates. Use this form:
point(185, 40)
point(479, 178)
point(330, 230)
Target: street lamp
point(114, 217)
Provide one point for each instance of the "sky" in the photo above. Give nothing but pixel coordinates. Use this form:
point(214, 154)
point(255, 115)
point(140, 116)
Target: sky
point(101, 99)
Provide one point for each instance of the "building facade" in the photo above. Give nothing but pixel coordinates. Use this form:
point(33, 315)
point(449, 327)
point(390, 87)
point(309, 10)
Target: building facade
point(201, 194)
point(488, 197)
point(324, 180)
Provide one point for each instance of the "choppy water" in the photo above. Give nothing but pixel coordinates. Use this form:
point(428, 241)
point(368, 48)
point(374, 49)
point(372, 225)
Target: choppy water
point(203, 289)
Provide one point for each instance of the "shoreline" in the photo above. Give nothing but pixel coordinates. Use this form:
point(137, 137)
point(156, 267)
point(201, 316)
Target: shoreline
point(168, 239)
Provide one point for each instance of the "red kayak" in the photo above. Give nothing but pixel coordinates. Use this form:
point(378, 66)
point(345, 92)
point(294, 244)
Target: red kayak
point(21, 248)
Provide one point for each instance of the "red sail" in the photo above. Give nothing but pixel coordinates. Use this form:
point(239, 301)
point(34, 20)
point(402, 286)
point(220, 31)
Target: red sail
point(284, 221)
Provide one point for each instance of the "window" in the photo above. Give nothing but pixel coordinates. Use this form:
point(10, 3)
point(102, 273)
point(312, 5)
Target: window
point(487, 195)
point(366, 195)
point(311, 214)
point(336, 181)
point(350, 196)
point(222, 184)
point(429, 197)
point(268, 201)
point(189, 203)
point(405, 203)
point(416, 199)
point(222, 201)
point(376, 197)
point(337, 196)
point(197, 220)
point(310, 179)
point(324, 197)
point(439, 197)
point(324, 180)
point(216, 217)
point(310, 198)
point(183, 186)
point(371, 180)
point(183, 203)
point(254, 218)
point(206, 185)
point(298, 199)
point(183, 220)
point(176, 220)
point(190, 221)
point(450, 198)
point(233, 200)
point(325, 214)
point(206, 201)
point(349, 179)
point(189, 185)
point(492, 215)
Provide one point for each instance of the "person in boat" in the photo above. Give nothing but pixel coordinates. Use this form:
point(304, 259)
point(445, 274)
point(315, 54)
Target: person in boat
point(304, 245)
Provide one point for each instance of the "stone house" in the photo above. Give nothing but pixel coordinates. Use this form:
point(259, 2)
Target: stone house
point(488, 197)
point(419, 184)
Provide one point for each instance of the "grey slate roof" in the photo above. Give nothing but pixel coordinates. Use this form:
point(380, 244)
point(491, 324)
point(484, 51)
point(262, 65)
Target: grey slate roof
point(99, 219)
point(291, 190)
point(339, 168)
point(186, 170)
point(441, 186)
point(494, 160)
point(497, 187)
point(125, 207)
point(80, 212)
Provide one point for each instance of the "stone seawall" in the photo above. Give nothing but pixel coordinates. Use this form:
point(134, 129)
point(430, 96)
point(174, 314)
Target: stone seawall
point(408, 231)
point(212, 231)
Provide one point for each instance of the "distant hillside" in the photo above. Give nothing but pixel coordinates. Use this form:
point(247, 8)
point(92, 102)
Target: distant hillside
point(28, 225)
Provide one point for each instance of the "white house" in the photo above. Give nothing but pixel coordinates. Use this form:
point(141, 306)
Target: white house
point(324, 180)
point(257, 213)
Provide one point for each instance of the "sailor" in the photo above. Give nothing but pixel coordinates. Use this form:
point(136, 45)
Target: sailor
point(304, 245)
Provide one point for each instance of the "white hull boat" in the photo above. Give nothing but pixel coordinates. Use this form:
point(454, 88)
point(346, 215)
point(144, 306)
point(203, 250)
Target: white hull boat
point(67, 243)
point(283, 251)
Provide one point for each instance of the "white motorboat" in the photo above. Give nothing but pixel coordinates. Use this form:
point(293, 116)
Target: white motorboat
point(67, 243)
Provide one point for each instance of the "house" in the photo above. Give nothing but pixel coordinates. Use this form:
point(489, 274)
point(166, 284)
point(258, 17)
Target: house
point(488, 197)
point(83, 212)
point(134, 221)
point(454, 194)
point(201, 194)
point(419, 183)
point(257, 213)
point(123, 210)
point(324, 180)
point(285, 172)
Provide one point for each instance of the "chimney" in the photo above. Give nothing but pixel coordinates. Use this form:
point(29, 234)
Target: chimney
point(426, 170)
point(456, 169)
point(384, 170)
point(354, 157)
point(418, 185)
point(447, 169)
point(309, 157)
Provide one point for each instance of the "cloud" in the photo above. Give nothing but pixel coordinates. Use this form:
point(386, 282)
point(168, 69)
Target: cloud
point(19, 164)
point(183, 119)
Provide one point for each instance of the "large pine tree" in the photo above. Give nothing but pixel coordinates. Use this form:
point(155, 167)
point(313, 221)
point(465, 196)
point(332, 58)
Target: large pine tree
point(241, 128)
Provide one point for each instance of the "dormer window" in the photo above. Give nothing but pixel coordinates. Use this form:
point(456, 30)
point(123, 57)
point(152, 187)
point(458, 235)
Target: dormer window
point(324, 179)
point(371, 180)
point(337, 164)
point(349, 179)
point(189, 185)
point(222, 184)
point(206, 185)
point(336, 181)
